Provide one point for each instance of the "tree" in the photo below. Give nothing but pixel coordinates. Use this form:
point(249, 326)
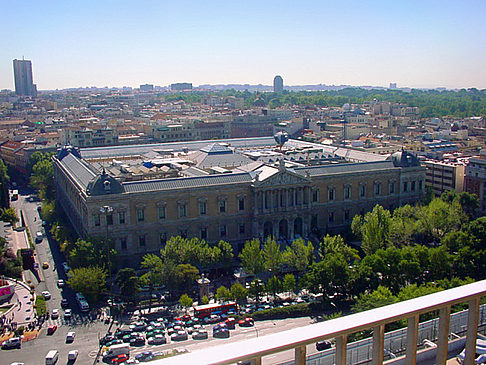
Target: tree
point(204, 300)
point(378, 298)
point(272, 255)
point(185, 301)
point(90, 281)
point(274, 285)
point(298, 255)
point(251, 257)
point(256, 289)
point(373, 229)
point(223, 293)
point(238, 292)
point(42, 178)
point(9, 215)
point(4, 181)
point(289, 283)
point(336, 245)
point(225, 257)
point(186, 275)
point(128, 281)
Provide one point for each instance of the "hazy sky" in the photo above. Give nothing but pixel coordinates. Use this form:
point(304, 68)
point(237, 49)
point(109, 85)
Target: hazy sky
point(423, 43)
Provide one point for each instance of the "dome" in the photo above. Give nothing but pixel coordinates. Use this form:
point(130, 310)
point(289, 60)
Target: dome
point(104, 184)
point(404, 159)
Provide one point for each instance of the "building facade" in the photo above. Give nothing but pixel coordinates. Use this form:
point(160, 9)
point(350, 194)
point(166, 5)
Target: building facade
point(442, 176)
point(24, 84)
point(270, 199)
point(277, 84)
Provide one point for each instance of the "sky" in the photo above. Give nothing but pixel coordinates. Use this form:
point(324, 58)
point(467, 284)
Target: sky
point(414, 43)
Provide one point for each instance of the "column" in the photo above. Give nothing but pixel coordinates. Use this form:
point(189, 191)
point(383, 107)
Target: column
point(300, 355)
point(472, 331)
point(341, 350)
point(443, 338)
point(255, 202)
point(412, 334)
point(378, 345)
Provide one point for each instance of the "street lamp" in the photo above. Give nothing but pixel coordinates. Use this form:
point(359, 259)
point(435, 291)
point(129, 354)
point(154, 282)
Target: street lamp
point(107, 210)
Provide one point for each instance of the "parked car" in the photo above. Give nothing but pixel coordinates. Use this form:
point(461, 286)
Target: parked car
point(179, 336)
point(55, 314)
point(157, 340)
point(72, 355)
point(39, 237)
point(201, 334)
point(46, 295)
point(145, 356)
point(70, 337)
point(65, 267)
point(230, 323)
point(247, 322)
point(68, 313)
point(60, 283)
point(323, 345)
point(51, 329)
point(45, 265)
point(119, 359)
point(137, 341)
point(221, 333)
point(64, 303)
point(12, 343)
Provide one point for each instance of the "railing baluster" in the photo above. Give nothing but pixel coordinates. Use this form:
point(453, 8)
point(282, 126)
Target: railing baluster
point(472, 331)
point(300, 353)
point(443, 337)
point(341, 349)
point(412, 334)
point(378, 345)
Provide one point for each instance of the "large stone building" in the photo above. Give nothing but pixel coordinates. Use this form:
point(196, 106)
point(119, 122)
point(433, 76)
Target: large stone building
point(142, 195)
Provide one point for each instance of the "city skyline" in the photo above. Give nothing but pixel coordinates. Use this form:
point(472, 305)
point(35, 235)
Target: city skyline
point(418, 45)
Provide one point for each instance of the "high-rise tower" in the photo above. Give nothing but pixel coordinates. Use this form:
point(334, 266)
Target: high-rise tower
point(24, 84)
point(277, 84)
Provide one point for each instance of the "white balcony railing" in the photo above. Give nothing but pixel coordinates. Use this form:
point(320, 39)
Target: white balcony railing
point(296, 339)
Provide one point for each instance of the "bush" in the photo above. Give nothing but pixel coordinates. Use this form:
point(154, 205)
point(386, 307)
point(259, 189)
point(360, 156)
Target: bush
point(297, 310)
point(19, 331)
point(40, 306)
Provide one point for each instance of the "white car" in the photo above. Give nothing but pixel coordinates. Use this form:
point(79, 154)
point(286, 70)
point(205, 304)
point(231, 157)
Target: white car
point(73, 355)
point(68, 313)
point(55, 314)
point(46, 294)
point(60, 283)
point(70, 336)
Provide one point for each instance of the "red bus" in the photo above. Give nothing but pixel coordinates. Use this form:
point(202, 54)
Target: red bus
point(202, 311)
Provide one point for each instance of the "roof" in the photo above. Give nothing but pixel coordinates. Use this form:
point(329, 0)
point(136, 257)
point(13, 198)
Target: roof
point(351, 168)
point(78, 169)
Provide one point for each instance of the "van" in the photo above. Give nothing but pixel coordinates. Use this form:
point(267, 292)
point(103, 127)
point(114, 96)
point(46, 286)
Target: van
point(52, 357)
point(115, 350)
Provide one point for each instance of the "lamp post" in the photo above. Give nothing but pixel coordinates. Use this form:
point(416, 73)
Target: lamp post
point(107, 210)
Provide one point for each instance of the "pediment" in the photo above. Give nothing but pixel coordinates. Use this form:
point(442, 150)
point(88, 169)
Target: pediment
point(282, 178)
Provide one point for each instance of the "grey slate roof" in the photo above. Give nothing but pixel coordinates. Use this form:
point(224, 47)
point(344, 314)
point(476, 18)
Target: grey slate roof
point(78, 169)
point(350, 168)
point(186, 183)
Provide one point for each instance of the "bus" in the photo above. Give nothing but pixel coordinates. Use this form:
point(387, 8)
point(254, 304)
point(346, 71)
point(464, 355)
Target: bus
point(15, 195)
point(82, 302)
point(202, 311)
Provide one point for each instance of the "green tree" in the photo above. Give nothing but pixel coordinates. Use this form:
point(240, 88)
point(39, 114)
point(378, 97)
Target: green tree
point(272, 255)
point(377, 298)
point(298, 255)
point(289, 283)
point(185, 301)
point(274, 285)
point(256, 289)
point(128, 281)
point(223, 293)
point(9, 215)
point(186, 275)
point(42, 179)
point(238, 292)
point(251, 257)
point(225, 257)
point(4, 182)
point(90, 281)
point(204, 300)
point(373, 229)
point(335, 245)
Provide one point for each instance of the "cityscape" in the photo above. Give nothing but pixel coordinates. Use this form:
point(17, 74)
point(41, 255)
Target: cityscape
point(236, 207)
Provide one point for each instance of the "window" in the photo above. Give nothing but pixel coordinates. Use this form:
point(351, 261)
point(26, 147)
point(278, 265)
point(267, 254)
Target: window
point(412, 186)
point(163, 239)
point(123, 243)
point(109, 219)
point(140, 214)
point(405, 186)
point(121, 217)
point(347, 192)
point(241, 204)
point(331, 192)
point(222, 230)
point(242, 228)
point(331, 217)
point(202, 208)
point(377, 188)
point(141, 241)
point(182, 210)
point(162, 212)
point(420, 185)
point(346, 215)
point(362, 191)
point(315, 195)
point(96, 218)
point(204, 233)
point(222, 206)
point(391, 188)
point(265, 199)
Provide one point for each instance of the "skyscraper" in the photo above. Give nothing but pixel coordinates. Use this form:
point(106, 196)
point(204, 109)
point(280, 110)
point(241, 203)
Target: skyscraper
point(24, 84)
point(277, 84)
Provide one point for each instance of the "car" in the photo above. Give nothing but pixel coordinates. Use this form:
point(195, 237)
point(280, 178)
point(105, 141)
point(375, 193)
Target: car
point(114, 342)
point(44, 223)
point(70, 337)
point(120, 332)
point(68, 313)
point(106, 339)
point(221, 333)
point(45, 265)
point(179, 336)
point(220, 326)
point(39, 236)
point(55, 314)
point(12, 343)
point(65, 267)
point(201, 334)
point(64, 303)
point(131, 361)
point(46, 295)
point(137, 341)
point(157, 340)
point(60, 283)
point(51, 329)
point(138, 326)
point(247, 322)
point(230, 323)
point(72, 355)
point(120, 359)
point(323, 345)
point(145, 356)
